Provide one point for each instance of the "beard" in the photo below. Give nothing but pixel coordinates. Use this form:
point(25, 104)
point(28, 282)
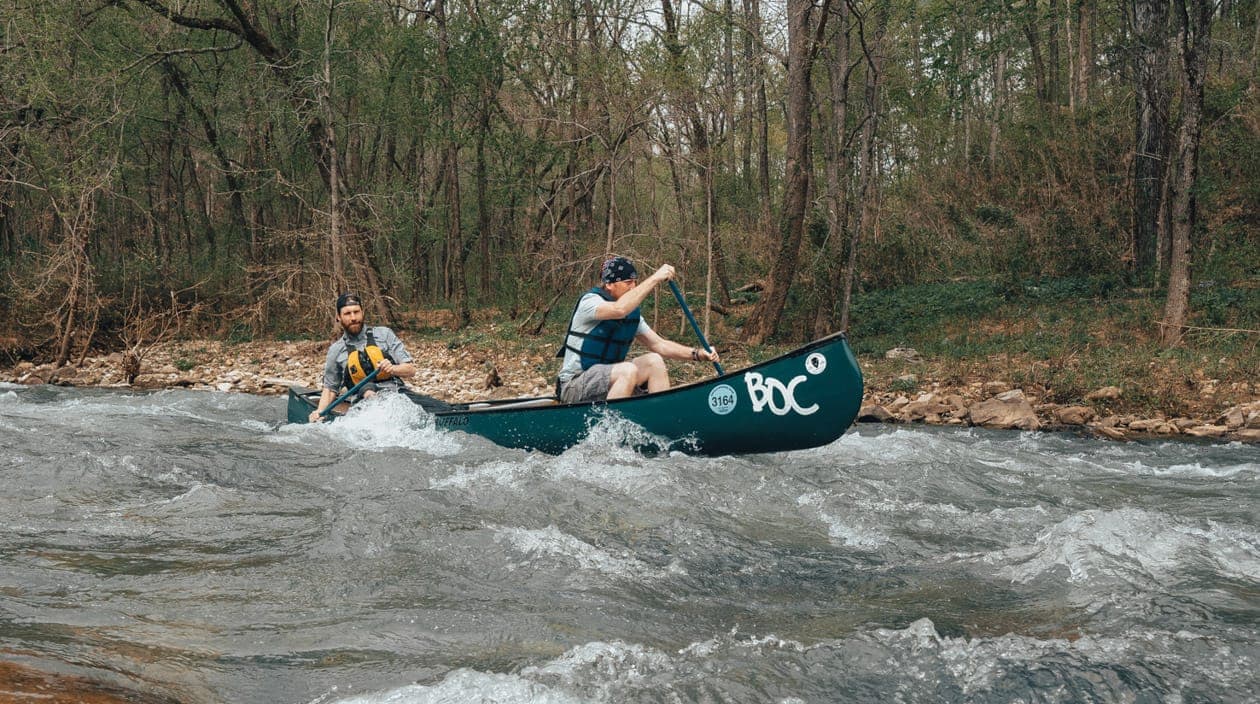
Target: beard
point(353, 328)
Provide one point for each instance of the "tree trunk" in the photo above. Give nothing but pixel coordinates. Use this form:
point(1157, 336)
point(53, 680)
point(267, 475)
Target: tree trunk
point(1032, 32)
point(336, 245)
point(868, 168)
point(753, 8)
point(837, 170)
point(1054, 69)
point(302, 94)
point(483, 199)
point(802, 48)
point(235, 200)
point(1085, 16)
point(454, 240)
point(1195, 20)
point(1150, 20)
point(999, 105)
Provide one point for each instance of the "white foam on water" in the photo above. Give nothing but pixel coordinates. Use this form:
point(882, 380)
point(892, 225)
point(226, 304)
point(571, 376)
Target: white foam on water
point(976, 664)
point(552, 544)
point(598, 671)
point(890, 446)
point(1235, 549)
point(381, 422)
point(1195, 469)
point(613, 667)
point(612, 436)
point(256, 426)
point(500, 473)
point(466, 686)
point(1139, 547)
point(636, 476)
point(848, 530)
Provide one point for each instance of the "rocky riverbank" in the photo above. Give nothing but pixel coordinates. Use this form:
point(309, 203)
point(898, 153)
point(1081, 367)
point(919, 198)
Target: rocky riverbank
point(465, 372)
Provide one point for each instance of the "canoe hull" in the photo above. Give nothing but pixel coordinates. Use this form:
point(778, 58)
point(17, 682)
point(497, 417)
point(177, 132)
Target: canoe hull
point(806, 398)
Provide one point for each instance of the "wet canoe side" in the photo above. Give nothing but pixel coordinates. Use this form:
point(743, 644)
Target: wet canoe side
point(805, 398)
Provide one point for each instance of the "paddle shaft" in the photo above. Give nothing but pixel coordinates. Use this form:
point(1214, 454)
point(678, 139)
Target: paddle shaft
point(353, 390)
point(692, 319)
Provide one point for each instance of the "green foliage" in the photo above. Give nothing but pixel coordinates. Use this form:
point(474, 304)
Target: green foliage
point(240, 333)
point(904, 384)
point(199, 156)
point(940, 319)
point(1219, 305)
point(913, 309)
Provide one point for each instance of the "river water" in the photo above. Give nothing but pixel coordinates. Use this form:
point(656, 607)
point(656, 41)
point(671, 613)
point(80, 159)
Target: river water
point(186, 544)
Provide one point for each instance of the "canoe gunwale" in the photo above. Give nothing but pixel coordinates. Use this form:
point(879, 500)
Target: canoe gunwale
point(615, 403)
point(780, 418)
point(509, 404)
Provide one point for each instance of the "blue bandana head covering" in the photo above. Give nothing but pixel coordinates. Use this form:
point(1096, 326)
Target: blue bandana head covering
point(617, 269)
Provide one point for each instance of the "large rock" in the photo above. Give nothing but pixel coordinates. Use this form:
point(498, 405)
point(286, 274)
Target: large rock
point(909, 354)
point(1005, 413)
point(995, 387)
point(1149, 425)
point(874, 413)
point(1111, 432)
point(1183, 424)
point(1246, 415)
point(925, 408)
point(1106, 393)
point(1074, 415)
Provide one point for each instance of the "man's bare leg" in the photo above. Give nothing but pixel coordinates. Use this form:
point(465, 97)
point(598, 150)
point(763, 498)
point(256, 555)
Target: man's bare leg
point(651, 369)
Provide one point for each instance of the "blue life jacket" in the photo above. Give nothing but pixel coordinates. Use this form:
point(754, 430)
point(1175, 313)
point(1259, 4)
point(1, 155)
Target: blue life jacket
point(609, 342)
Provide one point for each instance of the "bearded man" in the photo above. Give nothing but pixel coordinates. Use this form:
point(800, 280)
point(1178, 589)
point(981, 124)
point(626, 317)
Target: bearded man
point(358, 352)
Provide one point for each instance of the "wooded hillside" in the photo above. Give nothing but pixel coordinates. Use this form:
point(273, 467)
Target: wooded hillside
point(236, 163)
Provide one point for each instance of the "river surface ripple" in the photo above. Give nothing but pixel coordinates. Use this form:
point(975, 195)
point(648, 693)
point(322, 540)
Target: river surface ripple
point(187, 544)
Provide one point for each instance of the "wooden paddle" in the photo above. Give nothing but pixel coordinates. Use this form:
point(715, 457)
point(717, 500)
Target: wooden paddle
point(690, 318)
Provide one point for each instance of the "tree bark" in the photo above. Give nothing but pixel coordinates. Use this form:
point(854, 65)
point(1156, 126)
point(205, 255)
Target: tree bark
point(1194, 18)
point(837, 169)
point(454, 237)
point(1085, 16)
point(999, 105)
point(873, 53)
point(802, 49)
point(302, 94)
point(1028, 20)
point(1150, 30)
point(336, 245)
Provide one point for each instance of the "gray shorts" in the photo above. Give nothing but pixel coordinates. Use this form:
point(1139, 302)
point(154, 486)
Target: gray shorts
point(589, 385)
point(592, 385)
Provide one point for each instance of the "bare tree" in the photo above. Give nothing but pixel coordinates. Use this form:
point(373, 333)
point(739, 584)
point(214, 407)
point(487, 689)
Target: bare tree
point(868, 168)
point(1150, 163)
point(1194, 18)
point(838, 165)
point(239, 20)
point(145, 326)
point(455, 237)
point(806, 23)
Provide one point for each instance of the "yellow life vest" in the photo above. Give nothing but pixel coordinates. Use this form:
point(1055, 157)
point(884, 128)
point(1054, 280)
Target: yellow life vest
point(360, 363)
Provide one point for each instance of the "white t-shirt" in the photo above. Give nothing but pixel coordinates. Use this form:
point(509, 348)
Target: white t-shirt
point(584, 321)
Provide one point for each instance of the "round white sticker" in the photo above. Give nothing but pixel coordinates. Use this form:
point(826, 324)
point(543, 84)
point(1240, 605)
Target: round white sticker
point(816, 363)
point(722, 399)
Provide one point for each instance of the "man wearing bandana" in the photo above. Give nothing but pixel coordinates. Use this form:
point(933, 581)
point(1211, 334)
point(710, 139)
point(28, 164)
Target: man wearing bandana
point(395, 363)
point(604, 323)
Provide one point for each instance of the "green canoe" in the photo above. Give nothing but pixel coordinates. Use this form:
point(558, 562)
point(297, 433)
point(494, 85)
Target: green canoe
point(805, 398)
